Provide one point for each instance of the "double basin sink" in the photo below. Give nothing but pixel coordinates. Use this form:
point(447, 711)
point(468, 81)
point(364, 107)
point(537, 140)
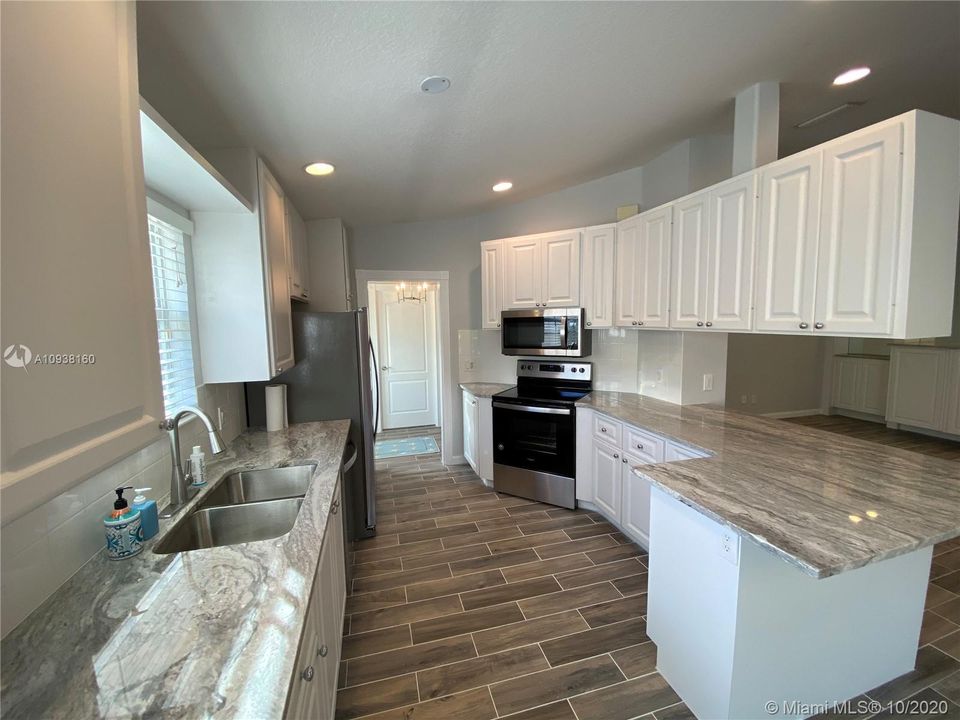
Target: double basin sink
point(246, 506)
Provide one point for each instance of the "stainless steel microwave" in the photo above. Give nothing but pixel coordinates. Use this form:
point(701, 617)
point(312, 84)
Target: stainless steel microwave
point(545, 331)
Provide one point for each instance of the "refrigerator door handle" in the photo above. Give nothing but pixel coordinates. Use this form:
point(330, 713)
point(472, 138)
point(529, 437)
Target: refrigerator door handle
point(376, 382)
point(353, 458)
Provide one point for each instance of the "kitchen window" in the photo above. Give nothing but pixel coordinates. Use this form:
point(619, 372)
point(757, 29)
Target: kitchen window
point(170, 258)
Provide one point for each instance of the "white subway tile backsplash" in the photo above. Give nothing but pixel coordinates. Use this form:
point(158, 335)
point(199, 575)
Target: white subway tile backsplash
point(41, 550)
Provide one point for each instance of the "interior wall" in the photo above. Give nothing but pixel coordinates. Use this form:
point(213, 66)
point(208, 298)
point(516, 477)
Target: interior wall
point(775, 373)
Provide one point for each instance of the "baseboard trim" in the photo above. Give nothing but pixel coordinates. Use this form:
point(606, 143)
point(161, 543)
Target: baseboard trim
point(794, 413)
point(939, 434)
point(456, 460)
point(857, 415)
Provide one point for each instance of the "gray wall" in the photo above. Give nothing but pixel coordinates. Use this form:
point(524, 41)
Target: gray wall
point(783, 372)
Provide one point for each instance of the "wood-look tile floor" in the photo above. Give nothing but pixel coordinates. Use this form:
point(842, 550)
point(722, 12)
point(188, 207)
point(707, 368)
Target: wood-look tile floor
point(471, 605)
point(879, 433)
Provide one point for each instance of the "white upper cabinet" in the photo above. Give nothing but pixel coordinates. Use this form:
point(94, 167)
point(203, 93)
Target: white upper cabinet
point(521, 272)
point(643, 269)
point(626, 306)
point(730, 251)
point(597, 280)
point(542, 270)
point(298, 263)
point(688, 305)
point(560, 278)
point(491, 281)
point(273, 216)
point(857, 263)
point(788, 231)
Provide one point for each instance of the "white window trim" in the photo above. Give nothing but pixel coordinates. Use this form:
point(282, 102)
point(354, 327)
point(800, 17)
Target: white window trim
point(162, 212)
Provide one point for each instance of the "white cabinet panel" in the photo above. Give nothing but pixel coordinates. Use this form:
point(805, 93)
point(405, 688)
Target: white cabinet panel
point(626, 306)
point(787, 244)
point(560, 276)
point(521, 272)
point(845, 381)
point(859, 232)
point(483, 430)
point(652, 268)
point(874, 378)
point(636, 501)
point(274, 230)
point(952, 422)
point(918, 378)
point(689, 262)
point(491, 282)
point(730, 252)
point(607, 478)
point(470, 418)
point(597, 281)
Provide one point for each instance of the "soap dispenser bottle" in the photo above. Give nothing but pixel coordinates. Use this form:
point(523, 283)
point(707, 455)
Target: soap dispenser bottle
point(198, 466)
point(149, 520)
point(123, 529)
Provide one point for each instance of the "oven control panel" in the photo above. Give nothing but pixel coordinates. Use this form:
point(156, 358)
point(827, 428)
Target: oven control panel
point(554, 369)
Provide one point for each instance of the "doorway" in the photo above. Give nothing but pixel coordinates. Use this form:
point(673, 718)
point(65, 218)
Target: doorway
point(410, 332)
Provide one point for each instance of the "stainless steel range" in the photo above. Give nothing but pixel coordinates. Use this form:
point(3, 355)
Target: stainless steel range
point(535, 431)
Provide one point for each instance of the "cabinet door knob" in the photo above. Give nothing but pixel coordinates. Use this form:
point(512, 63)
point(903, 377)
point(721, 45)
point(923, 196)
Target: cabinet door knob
point(335, 507)
point(307, 674)
point(803, 326)
point(709, 324)
point(616, 457)
point(322, 652)
point(624, 461)
point(498, 324)
point(603, 429)
point(639, 446)
point(818, 326)
point(699, 324)
point(640, 322)
point(634, 322)
point(589, 323)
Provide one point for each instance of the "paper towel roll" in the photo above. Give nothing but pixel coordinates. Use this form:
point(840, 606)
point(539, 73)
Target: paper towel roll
point(276, 396)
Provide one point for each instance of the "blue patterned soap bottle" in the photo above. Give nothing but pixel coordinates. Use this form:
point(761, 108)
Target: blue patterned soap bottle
point(123, 530)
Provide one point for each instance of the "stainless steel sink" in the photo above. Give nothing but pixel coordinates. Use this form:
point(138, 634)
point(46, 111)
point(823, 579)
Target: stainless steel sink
point(247, 486)
point(232, 524)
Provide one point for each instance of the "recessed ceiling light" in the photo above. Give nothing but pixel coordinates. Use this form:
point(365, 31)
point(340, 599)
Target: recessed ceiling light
point(852, 75)
point(502, 186)
point(435, 84)
point(319, 168)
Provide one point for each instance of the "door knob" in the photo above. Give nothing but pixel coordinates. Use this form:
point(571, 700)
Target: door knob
point(709, 324)
point(308, 674)
point(385, 367)
point(818, 326)
point(699, 324)
point(616, 457)
point(624, 461)
point(322, 652)
point(640, 322)
point(803, 326)
point(589, 323)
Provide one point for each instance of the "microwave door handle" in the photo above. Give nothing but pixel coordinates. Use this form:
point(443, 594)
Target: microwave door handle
point(563, 333)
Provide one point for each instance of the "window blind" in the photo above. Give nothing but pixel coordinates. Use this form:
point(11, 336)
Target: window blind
point(172, 302)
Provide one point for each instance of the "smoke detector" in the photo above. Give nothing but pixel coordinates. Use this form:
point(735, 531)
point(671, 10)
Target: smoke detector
point(435, 84)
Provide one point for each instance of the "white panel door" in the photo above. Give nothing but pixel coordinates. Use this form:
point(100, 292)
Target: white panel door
point(521, 272)
point(273, 216)
point(730, 254)
point(952, 423)
point(597, 275)
point(560, 277)
point(918, 377)
point(626, 311)
point(874, 377)
point(491, 282)
point(607, 479)
point(856, 265)
point(846, 383)
point(788, 234)
point(636, 501)
point(407, 361)
point(652, 268)
point(689, 261)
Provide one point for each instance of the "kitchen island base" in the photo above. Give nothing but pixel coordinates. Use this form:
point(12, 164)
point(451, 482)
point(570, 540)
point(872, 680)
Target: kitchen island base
point(742, 633)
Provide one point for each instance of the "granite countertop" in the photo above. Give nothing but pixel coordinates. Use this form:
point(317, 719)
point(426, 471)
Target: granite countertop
point(824, 502)
point(484, 389)
point(211, 632)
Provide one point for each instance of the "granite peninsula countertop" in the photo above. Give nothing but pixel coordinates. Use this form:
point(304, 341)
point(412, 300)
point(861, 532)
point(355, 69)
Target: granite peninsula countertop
point(824, 502)
point(484, 389)
point(211, 632)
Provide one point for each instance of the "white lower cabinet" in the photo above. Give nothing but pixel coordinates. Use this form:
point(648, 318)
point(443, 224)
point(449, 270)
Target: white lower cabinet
point(478, 434)
point(860, 384)
point(607, 453)
point(924, 388)
point(313, 689)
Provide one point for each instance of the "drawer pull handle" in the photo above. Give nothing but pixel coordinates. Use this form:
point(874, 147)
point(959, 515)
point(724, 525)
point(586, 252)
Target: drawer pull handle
point(603, 429)
point(616, 457)
point(624, 461)
point(322, 652)
point(639, 446)
point(307, 674)
point(335, 508)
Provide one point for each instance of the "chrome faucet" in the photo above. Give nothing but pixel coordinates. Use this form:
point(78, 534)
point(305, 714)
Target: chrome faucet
point(180, 489)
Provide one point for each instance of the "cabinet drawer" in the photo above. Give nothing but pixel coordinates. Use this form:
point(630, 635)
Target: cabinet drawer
point(608, 430)
point(645, 446)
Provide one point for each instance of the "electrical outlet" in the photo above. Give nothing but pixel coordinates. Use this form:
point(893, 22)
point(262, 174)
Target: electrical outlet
point(753, 399)
point(730, 547)
point(743, 399)
point(659, 374)
point(707, 382)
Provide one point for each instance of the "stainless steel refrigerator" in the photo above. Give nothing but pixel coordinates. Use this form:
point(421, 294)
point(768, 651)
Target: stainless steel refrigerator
point(331, 380)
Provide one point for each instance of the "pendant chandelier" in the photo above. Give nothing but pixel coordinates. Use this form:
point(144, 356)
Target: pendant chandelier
point(412, 293)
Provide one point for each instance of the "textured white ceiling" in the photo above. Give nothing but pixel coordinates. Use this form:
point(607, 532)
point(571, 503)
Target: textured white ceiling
point(545, 94)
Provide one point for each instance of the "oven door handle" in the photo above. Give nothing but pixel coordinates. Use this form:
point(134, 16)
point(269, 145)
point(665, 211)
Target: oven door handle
point(534, 409)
